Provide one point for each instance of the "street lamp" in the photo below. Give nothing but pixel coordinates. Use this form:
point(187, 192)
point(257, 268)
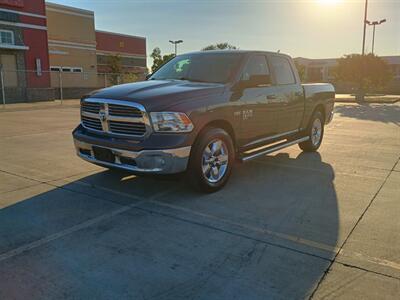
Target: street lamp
point(374, 23)
point(365, 26)
point(360, 94)
point(176, 43)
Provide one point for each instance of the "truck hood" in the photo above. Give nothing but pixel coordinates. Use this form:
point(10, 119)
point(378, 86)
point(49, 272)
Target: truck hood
point(159, 94)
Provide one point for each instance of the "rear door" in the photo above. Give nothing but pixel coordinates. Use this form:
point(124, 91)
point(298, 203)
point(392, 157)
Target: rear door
point(256, 108)
point(289, 94)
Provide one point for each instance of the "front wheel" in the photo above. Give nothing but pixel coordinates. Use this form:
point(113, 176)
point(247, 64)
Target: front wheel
point(315, 133)
point(211, 160)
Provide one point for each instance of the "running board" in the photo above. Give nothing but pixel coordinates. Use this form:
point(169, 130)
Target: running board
point(273, 149)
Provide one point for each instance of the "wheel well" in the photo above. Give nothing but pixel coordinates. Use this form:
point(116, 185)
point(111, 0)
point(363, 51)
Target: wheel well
point(320, 108)
point(223, 124)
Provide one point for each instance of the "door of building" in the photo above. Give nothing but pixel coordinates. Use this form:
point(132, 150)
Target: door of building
point(9, 64)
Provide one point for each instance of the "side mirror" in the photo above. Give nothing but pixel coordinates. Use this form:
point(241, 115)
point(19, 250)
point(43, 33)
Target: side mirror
point(254, 81)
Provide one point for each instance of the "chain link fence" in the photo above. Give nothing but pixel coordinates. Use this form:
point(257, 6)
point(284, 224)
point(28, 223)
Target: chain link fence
point(24, 86)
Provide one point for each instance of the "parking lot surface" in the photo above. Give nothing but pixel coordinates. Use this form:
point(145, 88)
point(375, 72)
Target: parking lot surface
point(290, 225)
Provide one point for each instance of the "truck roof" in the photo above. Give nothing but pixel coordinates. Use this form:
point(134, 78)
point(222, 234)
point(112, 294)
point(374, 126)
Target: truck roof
point(237, 51)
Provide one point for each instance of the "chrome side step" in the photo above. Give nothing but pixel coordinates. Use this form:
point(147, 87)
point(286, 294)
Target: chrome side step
point(273, 149)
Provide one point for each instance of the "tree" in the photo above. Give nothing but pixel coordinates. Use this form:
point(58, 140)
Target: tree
point(130, 77)
point(158, 59)
point(115, 66)
point(301, 69)
point(116, 73)
point(219, 46)
point(369, 72)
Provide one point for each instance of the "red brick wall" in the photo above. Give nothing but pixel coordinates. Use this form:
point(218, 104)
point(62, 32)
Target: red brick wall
point(120, 43)
point(30, 6)
point(35, 39)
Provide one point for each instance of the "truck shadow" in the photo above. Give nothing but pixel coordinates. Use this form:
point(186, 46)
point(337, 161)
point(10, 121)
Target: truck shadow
point(269, 234)
point(381, 113)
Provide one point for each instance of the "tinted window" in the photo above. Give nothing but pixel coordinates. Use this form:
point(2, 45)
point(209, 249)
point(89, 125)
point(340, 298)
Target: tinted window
point(257, 65)
point(282, 70)
point(203, 67)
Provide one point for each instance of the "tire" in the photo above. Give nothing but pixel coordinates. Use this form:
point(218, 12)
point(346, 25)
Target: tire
point(315, 132)
point(211, 160)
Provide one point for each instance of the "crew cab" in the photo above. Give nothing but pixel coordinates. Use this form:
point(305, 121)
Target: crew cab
point(202, 111)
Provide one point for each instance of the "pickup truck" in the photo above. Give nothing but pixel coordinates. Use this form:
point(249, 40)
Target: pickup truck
point(201, 112)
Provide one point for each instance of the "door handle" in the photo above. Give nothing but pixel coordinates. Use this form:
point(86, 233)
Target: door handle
point(271, 97)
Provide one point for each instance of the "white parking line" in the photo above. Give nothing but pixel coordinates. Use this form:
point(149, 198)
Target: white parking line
point(291, 238)
point(284, 236)
point(85, 224)
point(152, 199)
point(65, 232)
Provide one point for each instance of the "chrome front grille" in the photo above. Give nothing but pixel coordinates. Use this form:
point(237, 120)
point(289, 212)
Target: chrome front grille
point(115, 117)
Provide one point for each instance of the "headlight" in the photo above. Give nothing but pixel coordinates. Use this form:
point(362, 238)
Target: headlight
point(171, 122)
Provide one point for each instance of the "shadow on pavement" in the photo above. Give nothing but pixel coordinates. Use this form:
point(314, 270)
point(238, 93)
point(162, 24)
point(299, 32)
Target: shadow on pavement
point(269, 234)
point(380, 113)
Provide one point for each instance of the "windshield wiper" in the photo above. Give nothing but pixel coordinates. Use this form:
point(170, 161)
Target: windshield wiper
point(193, 80)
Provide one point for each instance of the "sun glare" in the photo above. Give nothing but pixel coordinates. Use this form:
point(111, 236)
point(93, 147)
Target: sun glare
point(329, 2)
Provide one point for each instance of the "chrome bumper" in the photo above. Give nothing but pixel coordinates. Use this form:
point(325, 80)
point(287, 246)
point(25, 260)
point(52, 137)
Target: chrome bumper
point(169, 161)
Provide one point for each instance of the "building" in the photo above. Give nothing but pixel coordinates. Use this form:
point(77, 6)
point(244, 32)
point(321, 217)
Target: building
point(23, 46)
point(323, 70)
point(49, 51)
point(82, 54)
point(131, 51)
point(72, 50)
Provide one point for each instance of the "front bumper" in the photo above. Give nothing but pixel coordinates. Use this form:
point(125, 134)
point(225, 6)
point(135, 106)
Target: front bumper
point(329, 118)
point(166, 161)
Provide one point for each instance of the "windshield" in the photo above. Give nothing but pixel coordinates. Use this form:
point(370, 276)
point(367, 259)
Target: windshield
point(204, 67)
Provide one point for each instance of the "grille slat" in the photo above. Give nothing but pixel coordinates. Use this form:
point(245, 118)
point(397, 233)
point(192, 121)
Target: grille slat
point(91, 123)
point(124, 111)
point(127, 125)
point(132, 118)
point(91, 107)
point(127, 128)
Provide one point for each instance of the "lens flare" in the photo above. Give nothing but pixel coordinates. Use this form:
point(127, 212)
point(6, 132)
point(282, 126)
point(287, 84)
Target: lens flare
point(329, 2)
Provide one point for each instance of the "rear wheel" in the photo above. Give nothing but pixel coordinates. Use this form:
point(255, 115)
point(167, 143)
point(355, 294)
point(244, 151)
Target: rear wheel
point(211, 160)
point(315, 133)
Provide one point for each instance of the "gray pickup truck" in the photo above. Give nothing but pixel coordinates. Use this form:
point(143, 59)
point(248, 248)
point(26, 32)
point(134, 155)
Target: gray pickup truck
point(202, 111)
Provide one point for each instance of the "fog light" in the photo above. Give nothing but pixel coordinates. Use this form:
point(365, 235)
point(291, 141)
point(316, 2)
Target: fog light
point(159, 161)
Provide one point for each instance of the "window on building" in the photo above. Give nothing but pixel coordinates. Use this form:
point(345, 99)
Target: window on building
point(396, 70)
point(77, 70)
point(66, 69)
point(55, 69)
point(7, 37)
point(282, 70)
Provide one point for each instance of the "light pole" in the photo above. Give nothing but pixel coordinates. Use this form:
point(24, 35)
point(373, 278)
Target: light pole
point(176, 43)
point(360, 94)
point(374, 23)
point(365, 26)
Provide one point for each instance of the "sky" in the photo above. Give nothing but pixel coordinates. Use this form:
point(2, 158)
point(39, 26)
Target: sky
point(306, 28)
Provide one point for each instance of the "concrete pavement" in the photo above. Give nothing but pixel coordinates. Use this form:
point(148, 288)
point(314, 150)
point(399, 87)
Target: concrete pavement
point(287, 226)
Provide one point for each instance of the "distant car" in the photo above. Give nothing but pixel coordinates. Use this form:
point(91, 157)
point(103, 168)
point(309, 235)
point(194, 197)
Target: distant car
point(200, 112)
